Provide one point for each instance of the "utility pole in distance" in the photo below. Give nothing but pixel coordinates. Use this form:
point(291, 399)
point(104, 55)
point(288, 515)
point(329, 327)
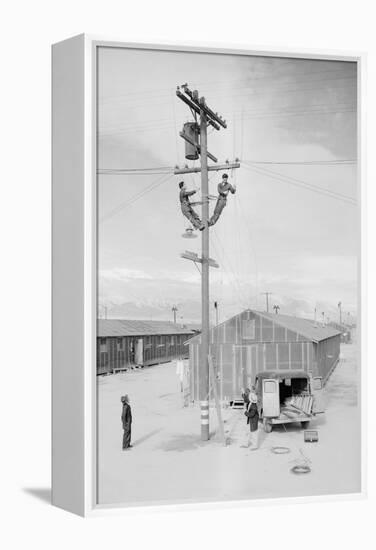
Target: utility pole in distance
point(267, 294)
point(216, 313)
point(207, 118)
point(174, 310)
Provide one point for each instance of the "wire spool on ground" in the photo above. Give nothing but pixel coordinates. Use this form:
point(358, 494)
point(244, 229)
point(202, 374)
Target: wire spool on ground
point(300, 469)
point(280, 450)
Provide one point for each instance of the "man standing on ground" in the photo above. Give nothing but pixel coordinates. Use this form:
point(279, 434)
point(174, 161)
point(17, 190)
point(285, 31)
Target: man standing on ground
point(126, 419)
point(187, 209)
point(253, 420)
point(224, 188)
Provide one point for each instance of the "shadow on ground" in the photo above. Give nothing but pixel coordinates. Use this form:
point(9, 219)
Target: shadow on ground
point(145, 437)
point(183, 443)
point(41, 493)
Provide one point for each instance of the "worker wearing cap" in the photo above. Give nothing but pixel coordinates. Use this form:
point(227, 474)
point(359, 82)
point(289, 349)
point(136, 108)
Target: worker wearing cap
point(253, 420)
point(187, 209)
point(224, 188)
point(126, 419)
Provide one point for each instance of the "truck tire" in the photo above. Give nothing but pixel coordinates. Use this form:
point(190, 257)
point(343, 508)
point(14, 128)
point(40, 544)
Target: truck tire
point(267, 426)
point(304, 424)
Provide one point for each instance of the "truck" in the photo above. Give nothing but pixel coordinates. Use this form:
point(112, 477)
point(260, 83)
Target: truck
point(286, 396)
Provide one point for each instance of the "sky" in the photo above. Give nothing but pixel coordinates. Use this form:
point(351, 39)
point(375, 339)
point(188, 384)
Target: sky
point(291, 229)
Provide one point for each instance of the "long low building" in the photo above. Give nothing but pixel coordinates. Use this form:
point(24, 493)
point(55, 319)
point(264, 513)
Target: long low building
point(254, 341)
point(346, 336)
point(123, 344)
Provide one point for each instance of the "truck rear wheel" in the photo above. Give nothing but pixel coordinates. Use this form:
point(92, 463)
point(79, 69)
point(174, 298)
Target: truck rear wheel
point(267, 426)
point(305, 424)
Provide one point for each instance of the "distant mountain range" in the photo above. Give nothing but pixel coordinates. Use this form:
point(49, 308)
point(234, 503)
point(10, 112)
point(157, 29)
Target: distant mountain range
point(189, 311)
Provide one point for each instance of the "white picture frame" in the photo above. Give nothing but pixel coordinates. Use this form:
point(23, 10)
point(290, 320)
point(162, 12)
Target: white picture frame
point(74, 287)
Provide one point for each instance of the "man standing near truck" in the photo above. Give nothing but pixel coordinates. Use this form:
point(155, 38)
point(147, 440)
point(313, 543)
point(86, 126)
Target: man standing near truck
point(253, 420)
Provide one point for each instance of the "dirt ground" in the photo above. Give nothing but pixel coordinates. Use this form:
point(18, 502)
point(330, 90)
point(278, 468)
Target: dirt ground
point(170, 464)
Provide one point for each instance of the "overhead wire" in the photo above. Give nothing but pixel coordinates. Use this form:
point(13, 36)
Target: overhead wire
point(168, 123)
point(344, 162)
point(148, 94)
point(134, 172)
point(246, 220)
point(300, 183)
point(225, 263)
point(325, 191)
point(227, 268)
point(134, 198)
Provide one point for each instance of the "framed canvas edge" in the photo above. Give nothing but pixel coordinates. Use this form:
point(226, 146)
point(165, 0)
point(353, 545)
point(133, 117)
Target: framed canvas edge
point(92, 508)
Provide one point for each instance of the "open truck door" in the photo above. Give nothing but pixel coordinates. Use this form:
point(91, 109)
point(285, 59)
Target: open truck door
point(270, 398)
point(317, 391)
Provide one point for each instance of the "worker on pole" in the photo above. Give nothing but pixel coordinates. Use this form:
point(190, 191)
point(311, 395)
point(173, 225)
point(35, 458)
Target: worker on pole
point(187, 209)
point(224, 188)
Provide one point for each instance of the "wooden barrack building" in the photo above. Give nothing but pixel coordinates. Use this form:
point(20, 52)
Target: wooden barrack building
point(123, 344)
point(254, 341)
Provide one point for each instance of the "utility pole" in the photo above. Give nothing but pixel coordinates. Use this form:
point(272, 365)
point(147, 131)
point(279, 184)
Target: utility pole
point(174, 311)
point(197, 141)
point(340, 312)
point(267, 294)
point(104, 308)
point(204, 363)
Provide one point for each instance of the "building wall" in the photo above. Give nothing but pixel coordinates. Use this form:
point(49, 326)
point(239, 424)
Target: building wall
point(249, 343)
point(346, 336)
point(326, 355)
point(236, 365)
point(249, 327)
point(114, 353)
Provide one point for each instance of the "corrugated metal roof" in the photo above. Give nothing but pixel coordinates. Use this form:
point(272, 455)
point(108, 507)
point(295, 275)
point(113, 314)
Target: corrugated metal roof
point(315, 332)
point(338, 326)
point(306, 327)
point(128, 327)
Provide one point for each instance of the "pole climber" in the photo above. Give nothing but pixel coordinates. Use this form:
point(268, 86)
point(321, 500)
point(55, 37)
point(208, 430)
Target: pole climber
point(224, 188)
point(187, 209)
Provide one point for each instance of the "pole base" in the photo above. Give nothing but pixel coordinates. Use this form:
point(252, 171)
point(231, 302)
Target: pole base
point(204, 406)
point(205, 433)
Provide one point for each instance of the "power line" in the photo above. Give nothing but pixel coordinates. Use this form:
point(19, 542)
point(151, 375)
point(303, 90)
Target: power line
point(135, 198)
point(300, 183)
point(305, 185)
point(266, 77)
point(167, 122)
point(135, 171)
point(306, 162)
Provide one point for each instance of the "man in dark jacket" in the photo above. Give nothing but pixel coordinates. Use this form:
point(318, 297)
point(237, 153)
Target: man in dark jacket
point(126, 419)
point(224, 188)
point(253, 420)
point(187, 209)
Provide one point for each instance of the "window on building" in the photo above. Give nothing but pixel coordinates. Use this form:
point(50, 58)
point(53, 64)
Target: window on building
point(120, 344)
point(102, 344)
point(248, 329)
